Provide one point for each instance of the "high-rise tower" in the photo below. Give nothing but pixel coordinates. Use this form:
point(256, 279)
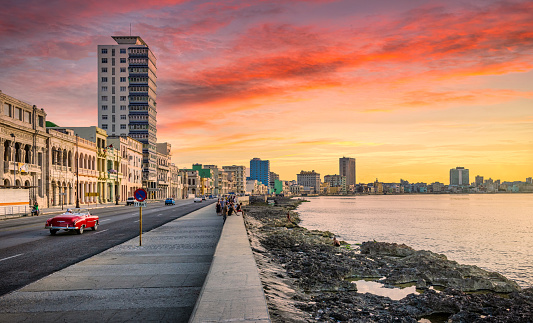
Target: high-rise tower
point(347, 168)
point(127, 96)
point(260, 170)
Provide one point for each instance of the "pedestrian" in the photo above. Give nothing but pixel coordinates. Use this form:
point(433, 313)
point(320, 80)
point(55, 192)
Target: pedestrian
point(240, 209)
point(231, 209)
point(225, 212)
point(336, 242)
point(289, 216)
point(219, 208)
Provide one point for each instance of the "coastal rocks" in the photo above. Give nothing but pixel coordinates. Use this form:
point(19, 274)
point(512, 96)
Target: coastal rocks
point(321, 274)
point(428, 268)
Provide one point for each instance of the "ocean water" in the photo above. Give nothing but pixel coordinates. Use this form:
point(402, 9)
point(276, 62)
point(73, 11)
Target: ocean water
point(492, 231)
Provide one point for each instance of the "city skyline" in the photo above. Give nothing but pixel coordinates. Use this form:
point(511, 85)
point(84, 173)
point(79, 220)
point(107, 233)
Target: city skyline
point(410, 89)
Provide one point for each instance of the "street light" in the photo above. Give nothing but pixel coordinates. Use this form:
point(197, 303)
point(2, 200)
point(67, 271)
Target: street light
point(14, 163)
point(77, 175)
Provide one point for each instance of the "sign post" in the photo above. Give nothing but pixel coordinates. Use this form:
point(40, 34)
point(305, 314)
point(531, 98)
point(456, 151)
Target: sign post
point(140, 195)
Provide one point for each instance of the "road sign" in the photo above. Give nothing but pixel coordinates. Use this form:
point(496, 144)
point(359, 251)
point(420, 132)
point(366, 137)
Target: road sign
point(140, 194)
point(139, 204)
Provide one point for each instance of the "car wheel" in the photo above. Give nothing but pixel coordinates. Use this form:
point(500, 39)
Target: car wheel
point(80, 230)
point(53, 232)
point(95, 226)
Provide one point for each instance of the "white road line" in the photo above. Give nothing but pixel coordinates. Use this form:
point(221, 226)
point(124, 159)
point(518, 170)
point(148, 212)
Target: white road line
point(136, 221)
point(20, 254)
point(105, 220)
point(101, 231)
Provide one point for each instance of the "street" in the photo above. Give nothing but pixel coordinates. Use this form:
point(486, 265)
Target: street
point(28, 252)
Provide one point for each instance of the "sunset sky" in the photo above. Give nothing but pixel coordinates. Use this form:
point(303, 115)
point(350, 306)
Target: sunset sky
point(409, 88)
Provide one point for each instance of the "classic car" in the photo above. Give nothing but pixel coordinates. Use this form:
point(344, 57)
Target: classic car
point(170, 201)
point(72, 220)
point(197, 199)
point(130, 201)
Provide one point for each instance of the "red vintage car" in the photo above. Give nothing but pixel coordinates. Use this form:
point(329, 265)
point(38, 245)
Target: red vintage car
point(72, 220)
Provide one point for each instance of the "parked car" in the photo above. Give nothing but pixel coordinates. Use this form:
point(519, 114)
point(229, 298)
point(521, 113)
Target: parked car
point(130, 201)
point(170, 201)
point(73, 220)
point(203, 198)
point(197, 199)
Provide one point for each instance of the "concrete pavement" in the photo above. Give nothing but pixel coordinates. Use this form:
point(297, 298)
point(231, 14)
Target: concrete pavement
point(159, 281)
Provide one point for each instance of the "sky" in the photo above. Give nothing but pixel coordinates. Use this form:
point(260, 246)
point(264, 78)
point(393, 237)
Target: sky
point(409, 88)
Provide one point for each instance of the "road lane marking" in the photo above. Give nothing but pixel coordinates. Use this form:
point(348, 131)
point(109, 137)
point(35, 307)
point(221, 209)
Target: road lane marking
point(20, 254)
point(100, 231)
point(105, 220)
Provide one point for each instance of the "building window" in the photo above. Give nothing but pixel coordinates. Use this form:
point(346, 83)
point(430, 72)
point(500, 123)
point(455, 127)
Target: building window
point(27, 116)
point(104, 98)
point(112, 52)
point(122, 60)
point(104, 79)
point(104, 88)
point(123, 50)
point(18, 113)
point(7, 109)
point(122, 70)
point(104, 50)
point(104, 126)
point(122, 79)
point(104, 107)
point(122, 117)
point(122, 89)
point(104, 116)
point(122, 98)
point(122, 126)
point(113, 128)
point(104, 69)
point(122, 107)
point(113, 118)
point(41, 123)
point(104, 60)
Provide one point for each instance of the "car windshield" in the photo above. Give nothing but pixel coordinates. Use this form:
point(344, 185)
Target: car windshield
point(78, 211)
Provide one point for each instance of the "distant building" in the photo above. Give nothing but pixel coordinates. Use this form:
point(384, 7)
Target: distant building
point(479, 180)
point(347, 169)
point(336, 181)
point(309, 179)
point(237, 178)
point(459, 177)
point(260, 171)
point(273, 178)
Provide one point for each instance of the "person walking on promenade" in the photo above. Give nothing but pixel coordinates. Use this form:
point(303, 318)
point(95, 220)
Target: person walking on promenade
point(218, 208)
point(231, 209)
point(225, 212)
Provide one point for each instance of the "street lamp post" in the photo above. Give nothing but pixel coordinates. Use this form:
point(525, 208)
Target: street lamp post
point(77, 175)
point(14, 163)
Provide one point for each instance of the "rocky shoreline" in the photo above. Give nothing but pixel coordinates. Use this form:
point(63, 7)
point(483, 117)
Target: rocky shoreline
point(307, 279)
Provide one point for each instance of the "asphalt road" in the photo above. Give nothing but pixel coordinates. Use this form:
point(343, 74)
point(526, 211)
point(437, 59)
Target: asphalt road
point(28, 252)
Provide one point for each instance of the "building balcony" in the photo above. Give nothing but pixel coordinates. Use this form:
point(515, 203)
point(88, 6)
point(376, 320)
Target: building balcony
point(21, 167)
point(88, 172)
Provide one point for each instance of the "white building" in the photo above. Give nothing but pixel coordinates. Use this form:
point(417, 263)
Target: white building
point(127, 97)
point(309, 179)
point(236, 176)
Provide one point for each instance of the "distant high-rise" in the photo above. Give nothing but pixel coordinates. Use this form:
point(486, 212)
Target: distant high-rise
point(260, 171)
point(309, 179)
point(127, 97)
point(479, 180)
point(459, 176)
point(347, 169)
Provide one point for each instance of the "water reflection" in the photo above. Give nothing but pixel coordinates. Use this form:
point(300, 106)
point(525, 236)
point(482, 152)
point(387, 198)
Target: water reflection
point(372, 287)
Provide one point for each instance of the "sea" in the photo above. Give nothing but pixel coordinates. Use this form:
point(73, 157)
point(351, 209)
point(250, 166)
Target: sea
point(491, 231)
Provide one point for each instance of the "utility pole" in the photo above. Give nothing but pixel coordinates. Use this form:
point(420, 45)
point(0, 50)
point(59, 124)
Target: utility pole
point(77, 175)
point(14, 163)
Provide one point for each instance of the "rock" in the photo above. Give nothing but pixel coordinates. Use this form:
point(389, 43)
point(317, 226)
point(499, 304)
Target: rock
point(386, 249)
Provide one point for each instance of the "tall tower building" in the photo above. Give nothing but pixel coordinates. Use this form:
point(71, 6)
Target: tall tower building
point(459, 176)
point(260, 171)
point(127, 97)
point(347, 169)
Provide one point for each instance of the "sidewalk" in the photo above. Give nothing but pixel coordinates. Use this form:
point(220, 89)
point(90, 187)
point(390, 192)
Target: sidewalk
point(158, 282)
